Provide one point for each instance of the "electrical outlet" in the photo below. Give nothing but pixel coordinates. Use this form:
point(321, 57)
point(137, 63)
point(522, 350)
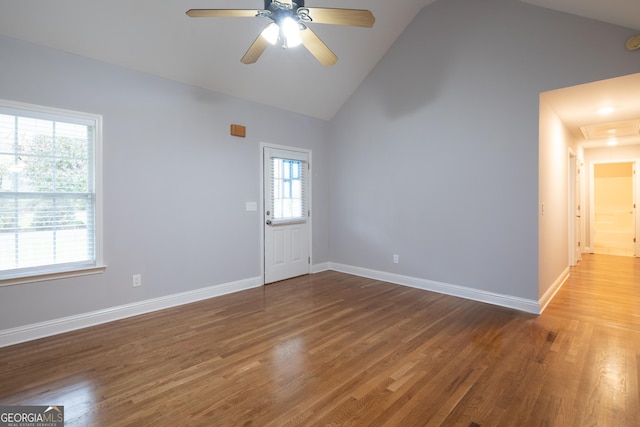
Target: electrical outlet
point(396, 258)
point(137, 280)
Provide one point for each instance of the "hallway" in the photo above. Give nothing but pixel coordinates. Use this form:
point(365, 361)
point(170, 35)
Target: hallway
point(602, 289)
point(595, 378)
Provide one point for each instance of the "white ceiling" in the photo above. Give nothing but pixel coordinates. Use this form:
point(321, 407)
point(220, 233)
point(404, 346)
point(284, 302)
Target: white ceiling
point(156, 37)
point(579, 106)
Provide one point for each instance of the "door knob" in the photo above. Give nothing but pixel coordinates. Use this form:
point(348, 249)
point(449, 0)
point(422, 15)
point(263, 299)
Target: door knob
point(268, 222)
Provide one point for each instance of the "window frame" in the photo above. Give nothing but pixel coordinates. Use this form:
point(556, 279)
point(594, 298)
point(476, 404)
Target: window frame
point(65, 270)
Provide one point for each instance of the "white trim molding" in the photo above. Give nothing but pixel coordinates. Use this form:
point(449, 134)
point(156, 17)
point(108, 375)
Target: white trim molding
point(53, 275)
point(319, 268)
point(66, 324)
point(508, 301)
point(553, 289)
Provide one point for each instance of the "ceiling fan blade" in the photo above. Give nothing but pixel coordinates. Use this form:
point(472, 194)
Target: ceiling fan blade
point(317, 47)
point(221, 13)
point(351, 17)
point(255, 50)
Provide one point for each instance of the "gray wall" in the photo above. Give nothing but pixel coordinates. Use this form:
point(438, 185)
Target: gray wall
point(175, 182)
point(435, 156)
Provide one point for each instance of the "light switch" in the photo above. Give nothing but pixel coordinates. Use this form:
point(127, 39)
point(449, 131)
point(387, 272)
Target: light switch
point(252, 206)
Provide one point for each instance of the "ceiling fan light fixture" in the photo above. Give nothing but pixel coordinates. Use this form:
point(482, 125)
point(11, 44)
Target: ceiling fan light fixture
point(271, 33)
point(289, 26)
point(291, 32)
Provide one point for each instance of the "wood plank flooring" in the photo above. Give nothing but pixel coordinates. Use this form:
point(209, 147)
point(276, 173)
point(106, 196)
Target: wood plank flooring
point(335, 349)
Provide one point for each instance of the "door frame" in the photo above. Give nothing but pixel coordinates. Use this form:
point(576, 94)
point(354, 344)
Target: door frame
point(636, 199)
point(308, 151)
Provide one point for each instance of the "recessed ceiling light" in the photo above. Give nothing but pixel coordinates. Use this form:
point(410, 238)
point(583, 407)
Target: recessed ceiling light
point(605, 110)
point(612, 142)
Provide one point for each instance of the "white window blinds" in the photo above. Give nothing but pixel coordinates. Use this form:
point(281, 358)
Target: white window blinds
point(287, 200)
point(47, 190)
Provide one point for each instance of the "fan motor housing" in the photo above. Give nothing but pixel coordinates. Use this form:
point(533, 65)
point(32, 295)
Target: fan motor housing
point(279, 11)
point(296, 4)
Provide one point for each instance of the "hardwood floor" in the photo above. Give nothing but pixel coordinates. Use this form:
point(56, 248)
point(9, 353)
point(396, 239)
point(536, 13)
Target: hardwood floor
point(334, 349)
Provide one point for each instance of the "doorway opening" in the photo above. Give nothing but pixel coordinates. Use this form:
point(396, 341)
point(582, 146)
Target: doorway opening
point(613, 220)
point(576, 131)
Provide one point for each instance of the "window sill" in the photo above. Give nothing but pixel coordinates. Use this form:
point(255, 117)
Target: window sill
point(52, 276)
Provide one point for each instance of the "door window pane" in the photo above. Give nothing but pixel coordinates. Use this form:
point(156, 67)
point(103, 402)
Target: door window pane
point(287, 185)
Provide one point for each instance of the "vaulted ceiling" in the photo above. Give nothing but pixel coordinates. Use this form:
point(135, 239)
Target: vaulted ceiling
point(156, 37)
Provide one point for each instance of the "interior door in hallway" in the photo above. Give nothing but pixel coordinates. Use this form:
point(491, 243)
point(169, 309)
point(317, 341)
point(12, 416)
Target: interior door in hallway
point(614, 208)
point(575, 209)
point(286, 213)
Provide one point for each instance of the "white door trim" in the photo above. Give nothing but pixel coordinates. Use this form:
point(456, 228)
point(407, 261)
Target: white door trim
point(264, 145)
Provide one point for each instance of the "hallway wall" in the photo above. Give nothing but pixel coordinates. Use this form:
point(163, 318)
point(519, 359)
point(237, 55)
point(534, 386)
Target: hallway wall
point(435, 157)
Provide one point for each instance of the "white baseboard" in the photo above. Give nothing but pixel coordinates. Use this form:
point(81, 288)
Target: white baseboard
point(553, 289)
point(84, 320)
point(517, 303)
point(319, 268)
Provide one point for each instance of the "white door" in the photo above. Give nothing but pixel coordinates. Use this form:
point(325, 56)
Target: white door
point(574, 209)
point(577, 245)
point(614, 209)
point(286, 214)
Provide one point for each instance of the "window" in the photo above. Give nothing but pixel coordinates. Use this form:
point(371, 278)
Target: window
point(49, 198)
point(287, 189)
point(287, 198)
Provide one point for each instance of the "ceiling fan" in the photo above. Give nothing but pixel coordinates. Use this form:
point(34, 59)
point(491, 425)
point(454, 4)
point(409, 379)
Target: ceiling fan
point(290, 26)
point(633, 43)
